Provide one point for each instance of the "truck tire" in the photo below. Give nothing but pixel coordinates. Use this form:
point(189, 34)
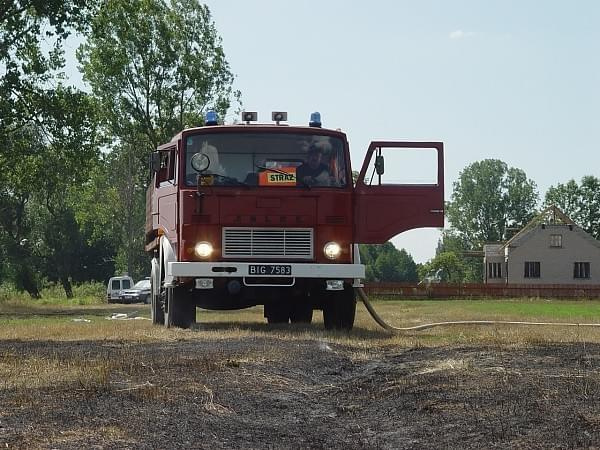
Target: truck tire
point(157, 313)
point(277, 313)
point(339, 310)
point(179, 311)
point(301, 310)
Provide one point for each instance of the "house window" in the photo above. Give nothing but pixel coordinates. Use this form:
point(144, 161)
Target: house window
point(532, 269)
point(556, 240)
point(495, 270)
point(581, 270)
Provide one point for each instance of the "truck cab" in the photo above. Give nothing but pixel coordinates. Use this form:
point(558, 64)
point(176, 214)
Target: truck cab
point(269, 214)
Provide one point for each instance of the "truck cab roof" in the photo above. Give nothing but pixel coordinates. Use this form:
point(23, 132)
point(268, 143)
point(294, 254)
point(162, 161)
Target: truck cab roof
point(266, 127)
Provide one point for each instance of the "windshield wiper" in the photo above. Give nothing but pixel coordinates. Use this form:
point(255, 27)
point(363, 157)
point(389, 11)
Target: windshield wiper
point(282, 172)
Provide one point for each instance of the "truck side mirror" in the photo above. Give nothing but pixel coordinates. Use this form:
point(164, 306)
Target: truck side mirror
point(379, 165)
point(155, 162)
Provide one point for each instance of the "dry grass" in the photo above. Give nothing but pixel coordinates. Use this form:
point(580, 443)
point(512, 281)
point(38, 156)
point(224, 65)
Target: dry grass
point(114, 369)
point(63, 324)
point(34, 372)
point(100, 382)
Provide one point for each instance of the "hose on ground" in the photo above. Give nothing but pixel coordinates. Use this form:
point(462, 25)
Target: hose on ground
point(365, 299)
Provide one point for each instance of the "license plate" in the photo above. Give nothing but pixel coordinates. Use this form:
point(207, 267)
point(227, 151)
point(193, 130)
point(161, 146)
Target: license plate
point(269, 269)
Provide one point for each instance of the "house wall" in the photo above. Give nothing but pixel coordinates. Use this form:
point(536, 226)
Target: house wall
point(556, 263)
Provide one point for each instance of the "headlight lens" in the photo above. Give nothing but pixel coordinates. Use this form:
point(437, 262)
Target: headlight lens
point(203, 249)
point(332, 250)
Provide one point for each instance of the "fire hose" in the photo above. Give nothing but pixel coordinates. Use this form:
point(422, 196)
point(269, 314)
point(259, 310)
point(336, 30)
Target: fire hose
point(388, 327)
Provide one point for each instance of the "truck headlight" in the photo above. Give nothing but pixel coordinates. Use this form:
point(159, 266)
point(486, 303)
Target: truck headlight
point(332, 250)
point(203, 249)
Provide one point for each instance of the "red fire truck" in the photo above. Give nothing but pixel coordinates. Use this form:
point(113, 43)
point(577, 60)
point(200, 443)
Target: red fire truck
point(269, 214)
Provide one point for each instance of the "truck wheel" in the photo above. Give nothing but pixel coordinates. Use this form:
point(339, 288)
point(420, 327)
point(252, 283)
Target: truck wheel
point(157, 312)
point(179, 311)
point(339, 309)
point(301, 310)
point(277, 313)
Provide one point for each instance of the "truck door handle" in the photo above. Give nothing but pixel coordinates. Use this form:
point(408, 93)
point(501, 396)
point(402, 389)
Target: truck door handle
point(436, 211)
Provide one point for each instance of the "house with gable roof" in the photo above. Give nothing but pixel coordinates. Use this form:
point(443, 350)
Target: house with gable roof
point(551, 249)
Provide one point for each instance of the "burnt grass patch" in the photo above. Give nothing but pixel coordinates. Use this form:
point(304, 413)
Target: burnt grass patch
point(265, 392)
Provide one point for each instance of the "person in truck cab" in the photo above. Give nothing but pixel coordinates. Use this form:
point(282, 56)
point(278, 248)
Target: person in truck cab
point(214, 169)
point(313, 172)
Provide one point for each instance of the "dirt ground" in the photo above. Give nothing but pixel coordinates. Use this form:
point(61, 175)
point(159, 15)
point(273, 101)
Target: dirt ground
point(201, 390)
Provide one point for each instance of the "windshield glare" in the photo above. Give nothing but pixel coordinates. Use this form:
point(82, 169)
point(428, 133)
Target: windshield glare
point(142, 284)
point(270, 160)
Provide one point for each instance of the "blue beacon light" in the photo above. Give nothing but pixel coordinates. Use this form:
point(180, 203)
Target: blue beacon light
point(211, 118)
point(315, 120)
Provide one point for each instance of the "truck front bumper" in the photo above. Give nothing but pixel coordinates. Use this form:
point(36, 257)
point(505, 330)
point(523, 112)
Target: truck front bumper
point(243, 269)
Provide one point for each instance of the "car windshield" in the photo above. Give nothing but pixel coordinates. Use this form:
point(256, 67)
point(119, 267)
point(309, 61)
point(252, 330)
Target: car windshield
point(142, 284)
point(267, 159)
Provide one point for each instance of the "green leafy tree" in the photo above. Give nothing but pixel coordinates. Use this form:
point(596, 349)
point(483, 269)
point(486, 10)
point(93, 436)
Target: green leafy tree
point(581, 202)
point(488, 197)
point(384, 262)
point(110, 211)
point(46, 129)
point(42, 166)
point(20, 162)
point(28, 70)
point(128, 176)
point(471, 262)
point(155, 67)
point(447, 265)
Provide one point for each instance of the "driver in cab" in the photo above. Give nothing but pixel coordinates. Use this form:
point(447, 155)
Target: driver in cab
point(313, 172)
point(205, 164)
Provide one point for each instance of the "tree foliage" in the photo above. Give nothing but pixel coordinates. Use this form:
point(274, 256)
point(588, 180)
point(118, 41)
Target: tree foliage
point(471, 264)
point(28, 68)
point(155, 67)
point(43, 166)
point(581, 202)
point(488, 197)
point(448, 266)
point(384, 262)
point(48, 135)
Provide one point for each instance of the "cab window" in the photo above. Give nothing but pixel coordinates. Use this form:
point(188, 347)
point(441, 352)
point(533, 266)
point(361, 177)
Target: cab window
point(166, 172)
point(268, 160)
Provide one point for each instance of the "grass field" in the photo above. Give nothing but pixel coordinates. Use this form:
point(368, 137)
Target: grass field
point(81, 379)
point(71, 321)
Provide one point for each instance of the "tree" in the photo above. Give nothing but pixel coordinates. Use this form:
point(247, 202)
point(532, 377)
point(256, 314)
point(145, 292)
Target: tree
point(27, 69)
point(128, 176)
point(471, 267)
point(581, 202)
point(384, 262)
point(46, 129)
point(155, 67)
point(488, 197)
point(448, 265)
point(41, 165)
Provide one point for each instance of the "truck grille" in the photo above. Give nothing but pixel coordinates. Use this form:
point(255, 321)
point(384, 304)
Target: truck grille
point(289, 243)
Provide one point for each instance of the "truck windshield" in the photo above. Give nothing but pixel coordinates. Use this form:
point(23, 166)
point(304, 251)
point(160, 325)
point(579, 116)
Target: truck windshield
point(267, 159)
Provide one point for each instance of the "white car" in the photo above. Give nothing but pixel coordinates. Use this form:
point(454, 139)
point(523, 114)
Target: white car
point(140, 292)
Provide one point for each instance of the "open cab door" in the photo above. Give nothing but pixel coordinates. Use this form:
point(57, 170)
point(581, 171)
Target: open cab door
point(400, 187)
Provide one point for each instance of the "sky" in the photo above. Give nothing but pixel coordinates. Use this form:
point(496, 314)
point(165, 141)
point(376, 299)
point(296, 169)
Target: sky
point(517, 81)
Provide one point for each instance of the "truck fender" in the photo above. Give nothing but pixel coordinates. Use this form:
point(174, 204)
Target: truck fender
point(167, 255)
